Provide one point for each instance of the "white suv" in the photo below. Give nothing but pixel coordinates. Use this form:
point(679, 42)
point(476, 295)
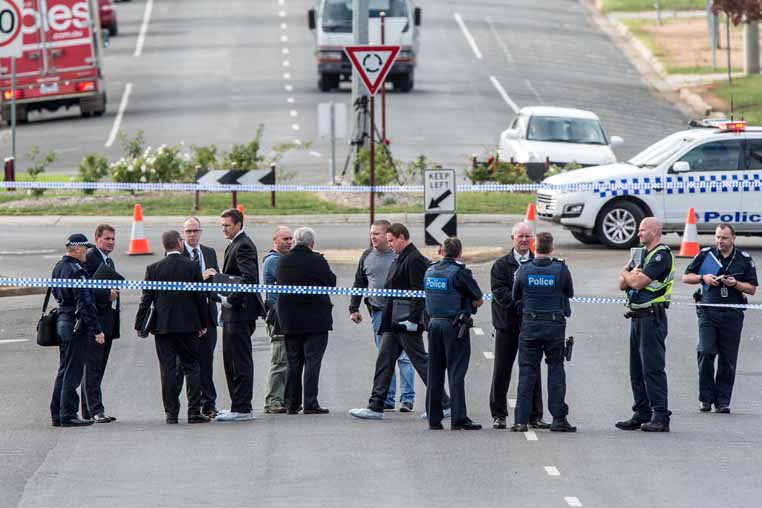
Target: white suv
point(715, 168)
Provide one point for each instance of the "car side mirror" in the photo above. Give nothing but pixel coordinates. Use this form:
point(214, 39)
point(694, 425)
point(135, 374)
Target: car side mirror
point(311, 19)
point(417, 16)
point(616, 141)
point(681, 167)
point(510, 134)
point(105, 34)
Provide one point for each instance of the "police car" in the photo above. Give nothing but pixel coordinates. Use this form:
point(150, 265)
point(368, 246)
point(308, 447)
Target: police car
point(714, 167)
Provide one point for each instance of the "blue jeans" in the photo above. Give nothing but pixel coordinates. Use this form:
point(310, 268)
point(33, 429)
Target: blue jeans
point(407, 373)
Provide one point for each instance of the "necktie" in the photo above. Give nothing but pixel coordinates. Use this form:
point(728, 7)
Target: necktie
point(196, 256)
point(110, 263)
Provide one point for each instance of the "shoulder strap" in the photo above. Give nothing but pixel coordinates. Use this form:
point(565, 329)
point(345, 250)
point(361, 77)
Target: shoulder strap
point(47, 300)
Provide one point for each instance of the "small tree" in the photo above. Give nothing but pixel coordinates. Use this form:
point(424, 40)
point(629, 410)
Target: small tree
point(736, 11)
point(39, 164)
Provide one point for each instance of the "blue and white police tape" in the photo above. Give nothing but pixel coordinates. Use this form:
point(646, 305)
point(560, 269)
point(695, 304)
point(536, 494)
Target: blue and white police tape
point(672, 185)
point(136, 285)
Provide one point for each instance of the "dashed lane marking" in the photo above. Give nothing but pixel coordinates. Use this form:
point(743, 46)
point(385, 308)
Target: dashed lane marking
point(552, 471)
point(286, 63)
point(295, 126)
point(284, 38)
point(468, 36)
point(284, 51)
point(316, 154)
point(478, 331)
point(286, 75)
point(500, 42)
point(504, 94)
point(530, 435)
point(293, 113)
point(573, 501)
point(489, 355)
point(143, 29)
point(290, 100)
point(11, 341)
point(283, 26)
point(281, 14)
point(289, 88)
point(119, 115)
point(534, 91)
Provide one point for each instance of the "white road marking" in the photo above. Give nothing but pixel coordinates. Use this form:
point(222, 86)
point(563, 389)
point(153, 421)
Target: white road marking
point(573, 501)
point(534, 91)
point(293, 113)
point(283, 26)
point(500, 42)
point(119, 115)
point(289, 88)
point(316, 154)
point(298, 142)
point(478, 331)
point(26, 252)
point(286, 75)
point(284, 51)
point(284, 38)
point(11, 341)
point(290, 100)
point(489, 355)
point(530, 435)
point(281, 14)
point(468, 36)
point(512, 403)
point(295, 126)
point(504, 94)
point(286, 63)
point(144, 28)
point(552, 471)
point(281, 2)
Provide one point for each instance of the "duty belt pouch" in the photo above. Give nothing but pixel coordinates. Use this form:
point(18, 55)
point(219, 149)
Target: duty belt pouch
point(46, 326)
point(400, 310)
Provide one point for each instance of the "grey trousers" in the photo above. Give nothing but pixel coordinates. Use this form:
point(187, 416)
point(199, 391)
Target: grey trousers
point(276, 381)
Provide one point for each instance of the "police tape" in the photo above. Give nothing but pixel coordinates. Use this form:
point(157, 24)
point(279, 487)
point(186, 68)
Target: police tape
point(222, 288)
point(680, 185)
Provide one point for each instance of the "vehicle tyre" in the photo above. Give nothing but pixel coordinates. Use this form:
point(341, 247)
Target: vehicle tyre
point(113, 29)
point(22, 115)
point(586, 238)
point(617, 224)
point(328, 82)
point(404, 83)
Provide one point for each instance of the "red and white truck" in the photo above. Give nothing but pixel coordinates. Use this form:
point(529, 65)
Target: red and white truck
point(61, 61)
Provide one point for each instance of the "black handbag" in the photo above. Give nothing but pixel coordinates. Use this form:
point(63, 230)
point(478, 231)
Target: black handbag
point(46, 327)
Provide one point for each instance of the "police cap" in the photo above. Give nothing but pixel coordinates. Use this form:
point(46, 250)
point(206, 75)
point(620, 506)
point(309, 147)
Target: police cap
point(78, 239)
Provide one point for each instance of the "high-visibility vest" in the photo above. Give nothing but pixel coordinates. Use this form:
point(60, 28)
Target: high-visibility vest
point(657, 291)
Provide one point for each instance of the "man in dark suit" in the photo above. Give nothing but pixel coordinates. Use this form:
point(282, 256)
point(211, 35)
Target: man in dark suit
point(305, 320)
point(206, 258)
point(180, 318)
point(107, 304)
point(239, 314)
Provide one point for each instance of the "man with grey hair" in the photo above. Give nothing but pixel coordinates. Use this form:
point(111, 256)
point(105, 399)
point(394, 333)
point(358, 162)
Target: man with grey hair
point(305, 320)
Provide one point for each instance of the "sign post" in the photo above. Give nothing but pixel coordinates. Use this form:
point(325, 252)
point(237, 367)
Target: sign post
point(440, 219)
point(372, 64)
point(11, 45)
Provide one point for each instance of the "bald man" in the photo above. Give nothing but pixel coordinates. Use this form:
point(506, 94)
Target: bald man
point(648, 286)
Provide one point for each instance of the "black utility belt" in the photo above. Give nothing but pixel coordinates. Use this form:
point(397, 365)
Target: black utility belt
point(722, 309)
point(557, 317)
point(449, 318)
point(640, 313)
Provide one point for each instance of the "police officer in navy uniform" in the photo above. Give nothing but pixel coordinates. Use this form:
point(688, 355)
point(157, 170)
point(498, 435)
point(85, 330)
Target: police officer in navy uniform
point(542, 289)
point(727, 275)
point(77, 323)
point(452, 296)
point(649, 287)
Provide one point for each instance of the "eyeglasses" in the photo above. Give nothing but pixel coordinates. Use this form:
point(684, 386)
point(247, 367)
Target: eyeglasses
point(190, 231)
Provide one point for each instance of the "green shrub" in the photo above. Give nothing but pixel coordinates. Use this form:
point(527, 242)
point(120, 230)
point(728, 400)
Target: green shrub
point(93, 168)
point(245, 156)
point(385, 167)
point(39, 165)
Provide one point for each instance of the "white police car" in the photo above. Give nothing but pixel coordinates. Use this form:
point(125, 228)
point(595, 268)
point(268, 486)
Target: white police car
point(560, 135)
point(715, 167)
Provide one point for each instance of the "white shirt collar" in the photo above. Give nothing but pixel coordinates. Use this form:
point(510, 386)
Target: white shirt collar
point(103, 254)
point(519, 258)
point(172, 252)
point(237, 234)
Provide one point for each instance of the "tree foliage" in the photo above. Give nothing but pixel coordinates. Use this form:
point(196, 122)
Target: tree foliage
point(738, 10)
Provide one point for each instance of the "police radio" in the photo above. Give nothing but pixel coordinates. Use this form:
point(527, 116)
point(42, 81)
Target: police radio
point(568, 346)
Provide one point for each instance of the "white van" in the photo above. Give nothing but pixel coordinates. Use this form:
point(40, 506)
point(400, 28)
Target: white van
point(331, 22)
point(715, 168)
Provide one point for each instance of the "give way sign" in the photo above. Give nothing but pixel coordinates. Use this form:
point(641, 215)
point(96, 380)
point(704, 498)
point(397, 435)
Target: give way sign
point(372, 63)
point(11, 42)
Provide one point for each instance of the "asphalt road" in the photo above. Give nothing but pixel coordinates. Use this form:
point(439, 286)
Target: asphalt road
point(211, 75)
point(334, 460)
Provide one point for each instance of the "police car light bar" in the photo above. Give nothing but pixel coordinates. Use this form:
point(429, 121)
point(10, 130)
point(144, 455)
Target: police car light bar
point(734, 126)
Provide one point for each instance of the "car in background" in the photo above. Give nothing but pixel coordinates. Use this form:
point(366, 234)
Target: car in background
point(107, 14)
point(558, 135)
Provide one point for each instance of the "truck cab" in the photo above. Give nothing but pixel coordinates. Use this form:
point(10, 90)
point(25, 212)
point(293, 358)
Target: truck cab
point(331, 24)
point(715, 168)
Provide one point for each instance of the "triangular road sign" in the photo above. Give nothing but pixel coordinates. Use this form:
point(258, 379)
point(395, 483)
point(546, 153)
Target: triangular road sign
point(372, 63)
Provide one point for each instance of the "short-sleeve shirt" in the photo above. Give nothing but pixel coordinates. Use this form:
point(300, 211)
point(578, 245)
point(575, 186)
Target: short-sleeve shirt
point(738, 263)
point(659, 266)
point(467, 286)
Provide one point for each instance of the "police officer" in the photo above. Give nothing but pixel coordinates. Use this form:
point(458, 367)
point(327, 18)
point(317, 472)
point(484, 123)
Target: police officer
point(452, 295)
point(542, 289)
point(77, 323)
point(648, 286)
point(727, 274)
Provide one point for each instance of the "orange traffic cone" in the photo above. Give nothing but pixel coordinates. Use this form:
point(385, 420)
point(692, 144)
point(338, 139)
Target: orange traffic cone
point(240, 209)
point(529, 220)
point(690, 246)
point(138, 240)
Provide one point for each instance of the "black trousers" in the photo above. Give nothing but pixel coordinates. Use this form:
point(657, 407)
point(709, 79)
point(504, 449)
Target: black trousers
point(169, 348)
point(506, 349)
point(65, 401)
point(239, 363)
point(648, 376)
point(304, 354)
point(447, 353)
point(720, 339)
point(96, 359)
point(206, 346)
point(392, 345)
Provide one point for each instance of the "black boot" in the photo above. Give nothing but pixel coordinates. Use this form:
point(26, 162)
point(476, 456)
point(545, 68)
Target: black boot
point(562, 425)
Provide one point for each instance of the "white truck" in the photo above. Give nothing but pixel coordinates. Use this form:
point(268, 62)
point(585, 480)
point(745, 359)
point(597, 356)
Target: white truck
point(715, 168)
point(331, 23)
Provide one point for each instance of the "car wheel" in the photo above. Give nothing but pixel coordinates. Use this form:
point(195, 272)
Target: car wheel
point(113, 30)
point(618, 223)
point(328, 82)
point(586, 238)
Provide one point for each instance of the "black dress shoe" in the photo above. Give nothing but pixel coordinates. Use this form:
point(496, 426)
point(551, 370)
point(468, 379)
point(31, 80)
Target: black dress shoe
point(631, 424)
point(519, 427)
point(171, 420)
point(316, 411)
point(211, 413)
point(654, 427)
point(56, 423)
point(539, 424)
point(292, 411)
point(499, 423)
point(198, 418)
point(436, 426)
point(76, 422)
point(705, 407)
point(562, 425)
point(102, 418)
point(721, 408)
point(467, 424)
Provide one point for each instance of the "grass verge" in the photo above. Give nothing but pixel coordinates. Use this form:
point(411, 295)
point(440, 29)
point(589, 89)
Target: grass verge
point(747, 97)
point(650, 5)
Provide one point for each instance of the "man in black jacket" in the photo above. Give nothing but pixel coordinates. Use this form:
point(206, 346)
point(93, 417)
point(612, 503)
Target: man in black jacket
point(179, 319)
point(401, 323)
point(506, 318)
point(206, 258)
point(107, 304)
point(239, 314)
point(305, 320)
